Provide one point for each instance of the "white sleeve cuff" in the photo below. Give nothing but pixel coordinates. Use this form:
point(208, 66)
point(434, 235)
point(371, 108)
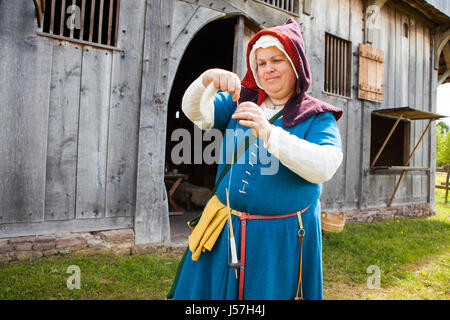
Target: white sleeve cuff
point(315, 163)
point(198, 104)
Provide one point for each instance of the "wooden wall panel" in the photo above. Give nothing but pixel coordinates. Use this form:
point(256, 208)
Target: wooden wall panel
point(152, 217)
point(62, 143)
point(417, 126)
point(412, 62)
point(381, 41)
point(403, 56)
point(354, 172)
point(93, 133)
point(427, 66)
point(25, 64)
point(124, 112)
point(390, 98)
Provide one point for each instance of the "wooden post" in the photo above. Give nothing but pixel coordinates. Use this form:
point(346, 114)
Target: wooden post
point(307, 7)
point(40, 10)
point(151, 223)
point(446, 184)
point(239, 50)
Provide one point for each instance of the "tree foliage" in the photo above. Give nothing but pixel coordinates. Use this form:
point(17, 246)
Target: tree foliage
point(442, 144)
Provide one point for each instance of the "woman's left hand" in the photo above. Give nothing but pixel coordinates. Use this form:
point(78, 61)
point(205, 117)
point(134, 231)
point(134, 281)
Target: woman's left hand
point(253, 117)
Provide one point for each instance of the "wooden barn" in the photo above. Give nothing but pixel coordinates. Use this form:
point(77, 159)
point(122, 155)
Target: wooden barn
point(90, 95)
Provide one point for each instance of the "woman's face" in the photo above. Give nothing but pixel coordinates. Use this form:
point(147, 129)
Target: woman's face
point(275, 73)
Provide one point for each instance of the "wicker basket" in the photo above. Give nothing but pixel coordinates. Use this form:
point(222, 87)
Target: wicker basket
point(333, 222)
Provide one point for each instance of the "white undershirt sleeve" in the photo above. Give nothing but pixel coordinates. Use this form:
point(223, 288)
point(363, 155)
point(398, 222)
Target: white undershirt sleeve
point(198, 104)
point(315, 163)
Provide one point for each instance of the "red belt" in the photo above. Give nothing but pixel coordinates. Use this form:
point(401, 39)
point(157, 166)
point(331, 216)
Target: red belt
point(244, 218)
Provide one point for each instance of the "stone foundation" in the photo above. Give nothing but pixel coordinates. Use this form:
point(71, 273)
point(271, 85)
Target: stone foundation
point(389, 213)
point(120, 242)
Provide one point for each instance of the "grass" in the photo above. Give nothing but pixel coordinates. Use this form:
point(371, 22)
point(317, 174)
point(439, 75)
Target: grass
point(101, 277)
point(412, 256)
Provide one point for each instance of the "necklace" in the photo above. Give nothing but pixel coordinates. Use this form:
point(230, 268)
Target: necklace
point(274, 105)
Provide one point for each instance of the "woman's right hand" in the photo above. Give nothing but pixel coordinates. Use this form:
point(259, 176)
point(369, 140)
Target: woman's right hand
point(223, 80)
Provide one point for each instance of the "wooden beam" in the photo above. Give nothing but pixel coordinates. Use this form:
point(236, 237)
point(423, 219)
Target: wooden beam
point(91, 21)
point(378, 3)
point(307, 7)
point(62, 19)
point(93, 44)
point(52, 16)
point(396, 168)
point(83, 13)
point(151, 222)
point(40, 10)
point(62, 226)
point(444, 76)
point(100, 22)
point(446, 53)
point(239, 50)
point(110, 12)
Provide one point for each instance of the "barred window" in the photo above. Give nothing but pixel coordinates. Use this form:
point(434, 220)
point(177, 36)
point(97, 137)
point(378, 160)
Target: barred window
point(289, 6)
point(337, 65)
point(93, 22)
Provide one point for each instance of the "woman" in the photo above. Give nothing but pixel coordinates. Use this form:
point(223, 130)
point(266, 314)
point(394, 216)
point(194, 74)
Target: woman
point(275, 214)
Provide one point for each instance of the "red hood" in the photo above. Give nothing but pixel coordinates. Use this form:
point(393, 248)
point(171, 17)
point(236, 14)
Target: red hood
point(301, 106)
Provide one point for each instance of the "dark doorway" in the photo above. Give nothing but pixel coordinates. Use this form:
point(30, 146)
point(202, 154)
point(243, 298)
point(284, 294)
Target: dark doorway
point(396, 150)
point(211, 47)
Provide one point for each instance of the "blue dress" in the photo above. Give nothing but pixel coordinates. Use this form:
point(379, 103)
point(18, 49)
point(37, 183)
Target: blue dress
point(267, 187)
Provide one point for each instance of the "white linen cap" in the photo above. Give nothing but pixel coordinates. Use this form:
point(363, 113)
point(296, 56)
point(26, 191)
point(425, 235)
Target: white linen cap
point(266, 41)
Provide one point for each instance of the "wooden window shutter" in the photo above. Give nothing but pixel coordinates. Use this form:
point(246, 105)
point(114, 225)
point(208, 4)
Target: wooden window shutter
point(371, 73)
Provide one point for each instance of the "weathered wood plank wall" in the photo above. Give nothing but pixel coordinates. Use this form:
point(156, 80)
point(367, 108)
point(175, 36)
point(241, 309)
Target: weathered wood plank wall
point(151, 222)
point(70, 126)
point(26, 64)
point(62, 142)
point(406, 41)
point(93, 133)
point(124, 112)
point(407, 82)
point(342, 19)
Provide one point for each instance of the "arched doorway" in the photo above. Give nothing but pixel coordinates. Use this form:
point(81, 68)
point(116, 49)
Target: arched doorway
point(211, 47)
